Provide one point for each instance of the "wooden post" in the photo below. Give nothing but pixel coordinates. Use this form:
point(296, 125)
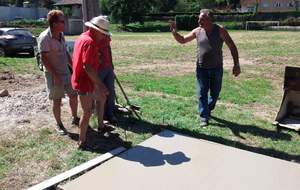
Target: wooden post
point(90, 9)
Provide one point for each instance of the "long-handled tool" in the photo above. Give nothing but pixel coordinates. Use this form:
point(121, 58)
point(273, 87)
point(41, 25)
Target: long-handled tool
point(133, 107)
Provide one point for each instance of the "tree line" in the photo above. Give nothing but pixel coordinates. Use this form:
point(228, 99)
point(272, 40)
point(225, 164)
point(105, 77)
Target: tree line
point(128, 11)
point(155, 5)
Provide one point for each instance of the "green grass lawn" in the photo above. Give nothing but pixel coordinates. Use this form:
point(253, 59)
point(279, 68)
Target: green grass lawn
point(158, 74)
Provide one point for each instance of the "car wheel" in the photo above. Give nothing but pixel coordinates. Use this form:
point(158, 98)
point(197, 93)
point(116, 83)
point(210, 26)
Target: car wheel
point(31, 53)
point(39, 62)
point(2, 52)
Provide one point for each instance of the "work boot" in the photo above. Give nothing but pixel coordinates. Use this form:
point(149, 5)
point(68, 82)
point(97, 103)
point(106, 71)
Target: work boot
point(76, 121)
point(112, 119)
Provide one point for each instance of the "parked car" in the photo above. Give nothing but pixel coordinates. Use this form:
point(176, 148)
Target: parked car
point(18, 18)
point(16, 40)
point(70, 48)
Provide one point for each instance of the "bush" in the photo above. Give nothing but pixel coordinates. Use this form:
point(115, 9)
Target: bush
point(230, 18)
point(291, 21)
point(155, 26)
point(189, 22)
point(238, 21)
point(26, 23)
point(233, 25)
point(186, 22)
point(273, 16)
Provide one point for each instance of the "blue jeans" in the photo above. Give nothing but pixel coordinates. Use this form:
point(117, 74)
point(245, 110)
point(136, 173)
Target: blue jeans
point(108, 78)
point(208, 80)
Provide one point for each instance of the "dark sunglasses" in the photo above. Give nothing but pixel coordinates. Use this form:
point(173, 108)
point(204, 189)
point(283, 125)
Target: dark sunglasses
point(62, 21)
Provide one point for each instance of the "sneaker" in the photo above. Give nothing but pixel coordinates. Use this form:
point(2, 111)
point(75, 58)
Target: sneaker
point(76, 121)
point(61, 129)
point(203, 123)
point(112, 119)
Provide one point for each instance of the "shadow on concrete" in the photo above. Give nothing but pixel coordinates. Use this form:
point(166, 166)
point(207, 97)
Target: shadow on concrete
point(141, 126)
point(150, 157)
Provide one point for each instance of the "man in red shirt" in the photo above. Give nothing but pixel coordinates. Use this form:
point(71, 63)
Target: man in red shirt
point(85, 80)
point(106, 75)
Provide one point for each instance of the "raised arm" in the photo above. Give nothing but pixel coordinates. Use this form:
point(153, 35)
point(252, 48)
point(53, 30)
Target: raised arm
point(182, 39)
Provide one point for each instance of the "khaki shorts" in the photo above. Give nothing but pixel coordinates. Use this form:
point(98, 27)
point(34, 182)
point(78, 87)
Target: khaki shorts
point(57, 92)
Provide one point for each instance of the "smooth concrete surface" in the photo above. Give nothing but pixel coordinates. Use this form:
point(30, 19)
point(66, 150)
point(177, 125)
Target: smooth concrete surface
point(172, 161)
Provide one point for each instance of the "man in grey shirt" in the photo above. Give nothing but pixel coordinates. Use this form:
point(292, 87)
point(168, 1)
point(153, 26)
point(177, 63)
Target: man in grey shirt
point(55, 57)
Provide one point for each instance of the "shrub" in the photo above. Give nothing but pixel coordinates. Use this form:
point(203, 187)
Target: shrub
point(26, 23)
point(290, 21)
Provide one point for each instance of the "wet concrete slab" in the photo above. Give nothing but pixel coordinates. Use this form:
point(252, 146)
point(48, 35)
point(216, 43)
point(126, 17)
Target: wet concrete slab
point(170, 160)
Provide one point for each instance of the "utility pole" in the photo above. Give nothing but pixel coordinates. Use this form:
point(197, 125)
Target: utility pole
point(90, 9)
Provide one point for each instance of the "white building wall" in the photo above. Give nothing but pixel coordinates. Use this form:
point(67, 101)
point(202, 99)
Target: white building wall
point(9, 13)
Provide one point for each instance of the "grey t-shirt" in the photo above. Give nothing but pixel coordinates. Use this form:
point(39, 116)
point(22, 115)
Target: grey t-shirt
point(57, 53)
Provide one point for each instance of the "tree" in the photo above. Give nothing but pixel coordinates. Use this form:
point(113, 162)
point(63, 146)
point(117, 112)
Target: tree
point(206, 4)
point(183, 6)
point(127, 11)
point(165, 5)
point(234, 3)
point(68, 11)
point(105, 7)
point(194, 5)
point(19, 3)
point(48, 4)
point(6, 2)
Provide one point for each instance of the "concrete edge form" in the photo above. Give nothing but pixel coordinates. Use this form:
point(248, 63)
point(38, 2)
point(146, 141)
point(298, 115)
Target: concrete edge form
point(63, 176)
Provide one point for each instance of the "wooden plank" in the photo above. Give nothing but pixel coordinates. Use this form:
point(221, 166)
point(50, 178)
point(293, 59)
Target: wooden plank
point(174, 161)
point(85, 166)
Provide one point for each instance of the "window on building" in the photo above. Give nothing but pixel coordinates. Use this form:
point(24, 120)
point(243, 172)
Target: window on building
point(290, 5)
point(278, 5)
point(250, 7)
point(266, 5)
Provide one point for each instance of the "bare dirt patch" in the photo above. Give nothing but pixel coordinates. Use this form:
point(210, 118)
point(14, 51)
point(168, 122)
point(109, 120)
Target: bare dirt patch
point(27, 99)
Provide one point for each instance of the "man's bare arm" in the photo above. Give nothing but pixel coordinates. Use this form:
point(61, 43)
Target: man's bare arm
point(47, 63)
point(93, 75)
point(182, 39)
point(70, 61)
point(233, 49)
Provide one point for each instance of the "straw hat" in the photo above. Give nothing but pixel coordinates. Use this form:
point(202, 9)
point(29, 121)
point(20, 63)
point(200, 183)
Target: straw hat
point(100, 23)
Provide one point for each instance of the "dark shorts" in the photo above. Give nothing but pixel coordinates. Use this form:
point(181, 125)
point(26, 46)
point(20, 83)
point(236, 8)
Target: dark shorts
point(84, 93)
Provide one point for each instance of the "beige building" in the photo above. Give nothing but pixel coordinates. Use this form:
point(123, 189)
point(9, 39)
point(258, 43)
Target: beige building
point(267, 5)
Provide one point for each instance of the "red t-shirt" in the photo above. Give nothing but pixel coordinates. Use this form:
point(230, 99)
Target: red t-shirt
point(85, 51)
point(104, 53)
